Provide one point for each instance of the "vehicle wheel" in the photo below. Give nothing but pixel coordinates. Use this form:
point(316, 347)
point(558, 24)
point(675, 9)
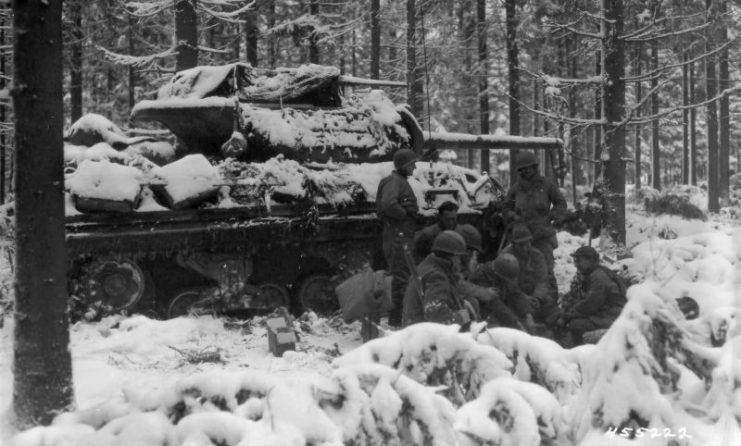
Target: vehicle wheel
point(273, 296)
point(193, 301)
point(116, 283)
point(316, 293)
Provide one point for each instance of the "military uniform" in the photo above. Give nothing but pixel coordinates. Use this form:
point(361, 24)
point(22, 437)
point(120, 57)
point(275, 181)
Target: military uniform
point(510, 306)
point(594, 301)
point(531, 202)
point(533, 281)
point(397, 208)
point(440, 298)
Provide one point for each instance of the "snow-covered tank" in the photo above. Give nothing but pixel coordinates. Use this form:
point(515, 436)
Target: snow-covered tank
point(266, 200)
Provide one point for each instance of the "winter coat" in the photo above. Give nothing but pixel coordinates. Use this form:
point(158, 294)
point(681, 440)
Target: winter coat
point(533, 277)
point(598, 296)
point(396, 205)
point(439, 299)
point(537, 202)
point(510, 305)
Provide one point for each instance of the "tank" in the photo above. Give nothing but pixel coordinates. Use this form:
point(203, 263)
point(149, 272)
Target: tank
point(266, 199)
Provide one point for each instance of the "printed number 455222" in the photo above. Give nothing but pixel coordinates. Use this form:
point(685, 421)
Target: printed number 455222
point(648, 432)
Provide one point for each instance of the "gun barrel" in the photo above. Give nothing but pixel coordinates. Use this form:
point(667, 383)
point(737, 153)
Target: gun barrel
point(437, 140)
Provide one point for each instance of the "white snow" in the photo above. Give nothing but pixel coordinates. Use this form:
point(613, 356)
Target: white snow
point(187, 177)
point(105, 180)
point(147, 382)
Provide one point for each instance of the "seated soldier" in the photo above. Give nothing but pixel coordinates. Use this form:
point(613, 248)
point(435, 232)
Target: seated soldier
point(595, 300)
point(533, 278)
point(447, 219)
point(432, 294)
point(511, 307)
point(473, 293)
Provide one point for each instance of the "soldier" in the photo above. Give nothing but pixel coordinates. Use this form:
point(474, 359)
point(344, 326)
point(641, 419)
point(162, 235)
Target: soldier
point(397, 208)
point(511, 307)
point(537, 203)
point(433, 295)
point(596, 298)
point(447, 219)
point(533, 278)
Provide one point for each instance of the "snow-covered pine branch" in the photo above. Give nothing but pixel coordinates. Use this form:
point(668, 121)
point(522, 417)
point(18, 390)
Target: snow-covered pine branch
point(147, 9)
point(435, 355)
point(538, 360)
point(229, 16)
point(135, 61)
point(510, 412)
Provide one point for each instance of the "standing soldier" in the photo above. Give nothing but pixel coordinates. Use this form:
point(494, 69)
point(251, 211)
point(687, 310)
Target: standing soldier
point(397, 208)
point(537, 203)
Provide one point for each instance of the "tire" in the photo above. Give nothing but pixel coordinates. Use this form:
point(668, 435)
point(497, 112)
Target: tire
point(192, 301)
point(273, 296)
point(316, 293)
point(118, 283)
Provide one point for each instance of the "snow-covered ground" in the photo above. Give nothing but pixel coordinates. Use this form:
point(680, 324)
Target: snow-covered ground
point(135, 377)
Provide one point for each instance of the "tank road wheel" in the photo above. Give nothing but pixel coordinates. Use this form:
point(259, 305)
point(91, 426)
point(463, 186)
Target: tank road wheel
point(192, 301)
point(316, 293)
point(116, 283)
point(273, 296)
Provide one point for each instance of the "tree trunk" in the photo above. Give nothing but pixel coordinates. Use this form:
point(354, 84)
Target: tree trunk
point(711, 90)
point(724, 108)
point(4, 149)
point(313, 49)
point(614, 111)
point(131, 72)
point(655, 146)
point(415, 81)
point(42, 384)
point(481, 29)
point(375, 50)
point(251, 34)
point(514, 83)
point(273, 42)
point(186, 34)
point(639, 97)
point(693, 124)
point(75, 84)
point(597, 156)
point(685, 120)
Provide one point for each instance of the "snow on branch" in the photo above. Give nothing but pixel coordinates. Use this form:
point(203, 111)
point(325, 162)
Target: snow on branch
point(135, 61)
point(652, 37)
point(146, 9)
point(435, 355)
point(230, 16)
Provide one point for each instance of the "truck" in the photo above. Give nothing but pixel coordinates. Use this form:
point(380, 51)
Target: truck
point(288, 210)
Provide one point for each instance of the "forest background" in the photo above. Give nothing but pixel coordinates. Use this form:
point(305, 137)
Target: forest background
point(473, 66)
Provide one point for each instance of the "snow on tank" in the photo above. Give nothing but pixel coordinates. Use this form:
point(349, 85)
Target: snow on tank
point(255, 114)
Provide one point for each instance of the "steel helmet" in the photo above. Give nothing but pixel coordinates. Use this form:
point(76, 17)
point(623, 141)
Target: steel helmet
point(521, 234)
point(507, 266)
point(526, 159)
point(471, 235)
point(449, 242)
point(403, 157)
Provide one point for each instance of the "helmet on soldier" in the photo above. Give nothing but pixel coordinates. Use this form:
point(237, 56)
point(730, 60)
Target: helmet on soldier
point(526, 159)
point(403, 157)
point(506, 266)
point(521, 234)
point(449, 242)
point(471, 235)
